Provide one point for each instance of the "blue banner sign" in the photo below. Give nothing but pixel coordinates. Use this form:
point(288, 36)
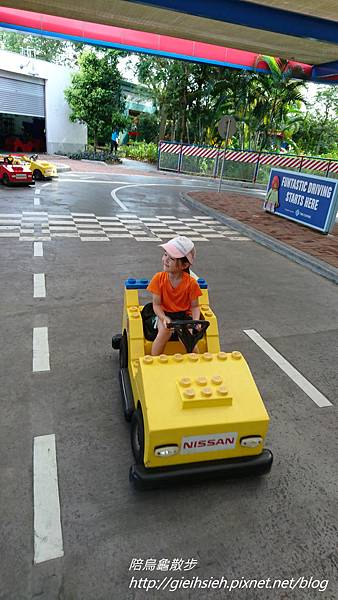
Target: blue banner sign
point(306, 199)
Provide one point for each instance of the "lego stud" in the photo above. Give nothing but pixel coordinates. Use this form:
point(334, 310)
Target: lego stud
point(133, 308)
point(205, 307)
point(178, 357)
point(207, 392)
point(163, 358)
point(135, 363)
point(148, 359)
point(193, 356)
point(201, 380)
point(236, 355)
point(208, 313)
point(135, 316)
point(222, 391)
point(207, 356)
point(189, 393)
point(222, 355)
point(131, 280)
point(185, 381)
point(216, 379)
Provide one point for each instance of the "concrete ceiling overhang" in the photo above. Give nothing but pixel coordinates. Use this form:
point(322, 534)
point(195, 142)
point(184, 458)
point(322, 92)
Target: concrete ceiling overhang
point(293, 29)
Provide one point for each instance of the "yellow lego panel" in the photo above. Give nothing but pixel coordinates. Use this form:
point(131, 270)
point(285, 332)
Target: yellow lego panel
point(222, 405)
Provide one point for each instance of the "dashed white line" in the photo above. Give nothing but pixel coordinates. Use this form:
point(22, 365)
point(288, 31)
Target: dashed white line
point(36, 201)
point(48, 542)
point(37, 191)
point(287, 367)
point(40, 349)
point(39, 285)
point(38, 249)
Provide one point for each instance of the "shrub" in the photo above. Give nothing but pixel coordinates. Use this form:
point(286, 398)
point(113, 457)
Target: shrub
point(140, 151)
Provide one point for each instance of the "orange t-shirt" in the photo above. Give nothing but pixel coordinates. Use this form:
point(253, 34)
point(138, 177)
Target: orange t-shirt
point(176, 299)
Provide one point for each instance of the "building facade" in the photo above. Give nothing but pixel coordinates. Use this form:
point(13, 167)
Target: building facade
point(34, 114)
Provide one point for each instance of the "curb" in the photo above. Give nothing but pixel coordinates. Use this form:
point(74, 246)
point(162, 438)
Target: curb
point(315, 265)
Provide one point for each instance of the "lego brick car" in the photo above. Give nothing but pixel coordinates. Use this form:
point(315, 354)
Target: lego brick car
point(193, 415)
point(13, 173)
point(41, 169)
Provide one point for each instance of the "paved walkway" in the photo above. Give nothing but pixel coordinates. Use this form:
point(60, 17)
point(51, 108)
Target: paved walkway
point(248, 210)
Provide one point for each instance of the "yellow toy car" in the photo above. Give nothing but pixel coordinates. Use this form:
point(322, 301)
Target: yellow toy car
point(193, 415)
point(41, 169)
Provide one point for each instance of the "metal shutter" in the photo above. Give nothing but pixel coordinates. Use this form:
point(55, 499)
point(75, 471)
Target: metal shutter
point(22, 97)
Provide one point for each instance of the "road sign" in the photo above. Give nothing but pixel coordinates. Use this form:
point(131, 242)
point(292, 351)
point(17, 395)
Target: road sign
point(227, 126)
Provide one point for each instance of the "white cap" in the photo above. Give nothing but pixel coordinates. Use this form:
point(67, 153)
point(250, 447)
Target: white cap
point(180, 247)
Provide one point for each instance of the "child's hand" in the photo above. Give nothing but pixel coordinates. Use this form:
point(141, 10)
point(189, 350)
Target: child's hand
point(165, 321)
point(198, 327)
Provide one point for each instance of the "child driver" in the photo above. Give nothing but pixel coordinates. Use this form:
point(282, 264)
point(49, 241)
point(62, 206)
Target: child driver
point(174, 291)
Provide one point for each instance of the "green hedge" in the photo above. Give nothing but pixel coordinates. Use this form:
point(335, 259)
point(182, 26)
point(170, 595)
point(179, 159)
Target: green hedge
point(139, 151)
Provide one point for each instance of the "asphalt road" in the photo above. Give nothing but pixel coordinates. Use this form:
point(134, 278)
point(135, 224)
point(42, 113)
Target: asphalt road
point(279, 527)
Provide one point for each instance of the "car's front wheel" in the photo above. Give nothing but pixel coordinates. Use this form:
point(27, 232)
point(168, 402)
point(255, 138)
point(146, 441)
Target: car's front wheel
point(5, 179)
point(137, 436)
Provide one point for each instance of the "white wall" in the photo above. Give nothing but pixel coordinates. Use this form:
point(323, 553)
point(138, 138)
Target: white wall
point(61, 134)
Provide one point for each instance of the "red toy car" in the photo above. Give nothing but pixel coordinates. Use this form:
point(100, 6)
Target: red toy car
point(11, 173)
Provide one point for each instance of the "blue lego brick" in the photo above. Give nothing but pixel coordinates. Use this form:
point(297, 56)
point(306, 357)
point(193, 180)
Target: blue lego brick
point(202, 283)
point(136, 284)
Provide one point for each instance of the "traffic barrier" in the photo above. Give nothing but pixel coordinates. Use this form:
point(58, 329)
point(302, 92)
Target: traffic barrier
point(175, 156)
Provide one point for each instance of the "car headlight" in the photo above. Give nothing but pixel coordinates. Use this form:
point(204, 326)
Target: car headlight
point(251, 441)
point(165, 451)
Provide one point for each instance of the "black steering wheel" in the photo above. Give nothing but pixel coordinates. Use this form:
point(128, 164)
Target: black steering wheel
point(34, 156)
point(188, 332)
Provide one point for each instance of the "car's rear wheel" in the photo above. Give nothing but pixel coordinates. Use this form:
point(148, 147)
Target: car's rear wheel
point(137, 436)
point(37, 175)
point(5, 179)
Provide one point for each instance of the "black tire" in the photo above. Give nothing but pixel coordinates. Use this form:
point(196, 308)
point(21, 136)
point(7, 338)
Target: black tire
point(116, 341)
point(37, 175)
point(137, 436)
point(123, 354)
point(5, 179)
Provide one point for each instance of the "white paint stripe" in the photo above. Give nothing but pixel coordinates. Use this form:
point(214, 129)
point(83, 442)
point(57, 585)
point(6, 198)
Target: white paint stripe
point(115, 198)
point(39, 285)
point(283, 364)
point(38, 249)
point(45, 184)
point(48, 542)
point(36, 202)
point(37, 191)
point(40, 349)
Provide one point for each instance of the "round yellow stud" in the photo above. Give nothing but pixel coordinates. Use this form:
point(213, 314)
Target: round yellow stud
point(222, 390)
point(207, 392)
point(163, 358)
point(185, 381)
point(236, 355)
point(193, 356)
point(135, 316)
point(207, 356)
point(217, 380)
point(205, 307)
point(178, 357)
point(222, 355)
point(133, 308)
point(189, 393)
point(148, 360)
point(208, 313)
point(201, 380)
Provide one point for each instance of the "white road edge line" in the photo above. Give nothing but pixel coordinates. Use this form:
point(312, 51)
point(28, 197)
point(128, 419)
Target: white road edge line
point(305, 385)
point(39, 285)
point(40, 349)
point(38, 249)
point(48, 542)
point(115, 198)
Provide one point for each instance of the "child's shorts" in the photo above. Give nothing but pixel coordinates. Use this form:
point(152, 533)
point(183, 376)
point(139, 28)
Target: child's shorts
point(150, 320)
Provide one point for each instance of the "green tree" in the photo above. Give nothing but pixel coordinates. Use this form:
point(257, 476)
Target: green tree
point(56, 51)
point(95, 93)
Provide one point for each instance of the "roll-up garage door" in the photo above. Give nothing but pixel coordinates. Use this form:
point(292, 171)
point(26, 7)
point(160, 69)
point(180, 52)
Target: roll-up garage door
point(22, 97)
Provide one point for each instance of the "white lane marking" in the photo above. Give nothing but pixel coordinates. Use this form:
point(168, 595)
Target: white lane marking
point(115, 198)
point(36, 202)
point(37, 191)
point(283, 364)
point(39, 282)
point(40, 349)
point(48, 542)
point(38, 249)
point(45, 184)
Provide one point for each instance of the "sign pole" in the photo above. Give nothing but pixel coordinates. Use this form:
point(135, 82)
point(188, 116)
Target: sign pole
point(226, 129)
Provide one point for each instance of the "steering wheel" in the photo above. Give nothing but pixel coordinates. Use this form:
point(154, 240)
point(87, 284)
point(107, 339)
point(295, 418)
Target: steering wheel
point(188, 333)
point(34, 156)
